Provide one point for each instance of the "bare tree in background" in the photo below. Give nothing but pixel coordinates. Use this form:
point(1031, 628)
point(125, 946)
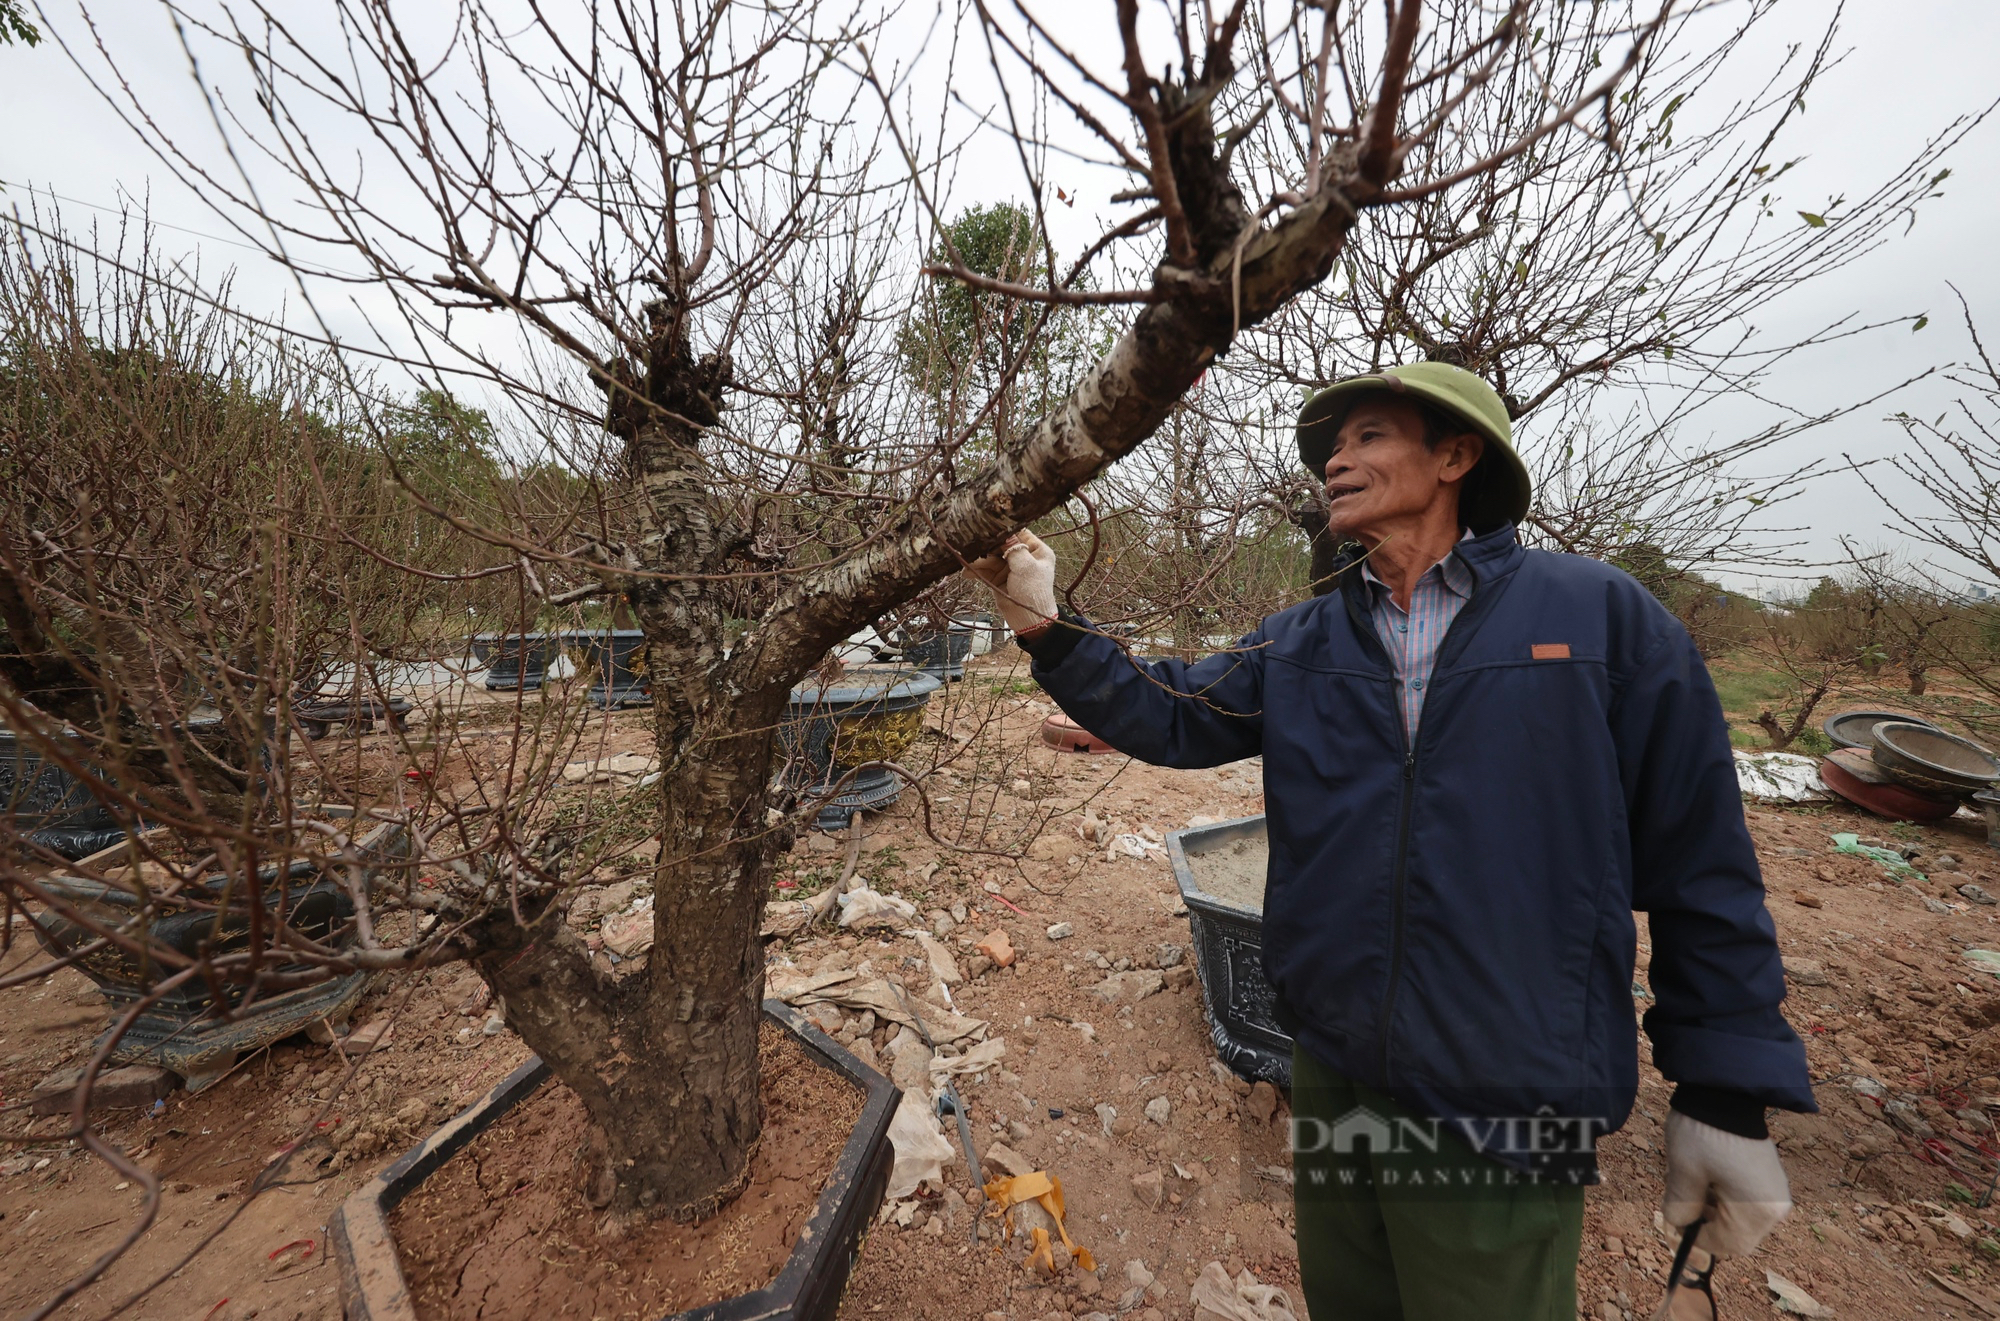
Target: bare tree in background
point(1954, 462)
point(1811, 645)
point(1950, 505)
point(691, 217)
point(1918, 621)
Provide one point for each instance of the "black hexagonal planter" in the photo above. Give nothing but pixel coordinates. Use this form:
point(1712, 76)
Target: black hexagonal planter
point(48, 805)
point(809, 1286)
point(181, 1030)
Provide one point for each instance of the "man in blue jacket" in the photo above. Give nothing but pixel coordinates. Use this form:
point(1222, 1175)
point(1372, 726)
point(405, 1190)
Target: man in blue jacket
point(1479, 760)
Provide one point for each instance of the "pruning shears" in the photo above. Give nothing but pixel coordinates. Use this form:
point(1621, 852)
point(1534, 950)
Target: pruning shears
point(1679, 1275)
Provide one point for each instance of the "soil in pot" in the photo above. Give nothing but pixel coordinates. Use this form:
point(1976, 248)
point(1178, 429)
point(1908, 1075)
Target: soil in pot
point(1235, 872)
point(502, 1231)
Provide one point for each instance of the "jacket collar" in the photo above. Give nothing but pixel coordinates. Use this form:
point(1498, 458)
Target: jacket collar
point(1489, 555)
point(1492, 555)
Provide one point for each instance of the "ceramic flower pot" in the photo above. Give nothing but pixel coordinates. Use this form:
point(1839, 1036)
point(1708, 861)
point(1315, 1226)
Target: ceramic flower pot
point(515, 662)
point(50, 806)
point(615, 659)
point(866, 716)
point(181, 1031)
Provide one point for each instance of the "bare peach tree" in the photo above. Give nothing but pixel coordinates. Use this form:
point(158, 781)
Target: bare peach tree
point(699, 222)
point(1611, 294)
point(1947, 505)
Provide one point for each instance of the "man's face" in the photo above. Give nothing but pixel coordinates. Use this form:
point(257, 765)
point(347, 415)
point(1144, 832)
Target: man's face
point(1381, 473)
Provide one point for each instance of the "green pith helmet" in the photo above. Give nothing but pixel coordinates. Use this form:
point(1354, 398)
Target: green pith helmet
point(1495, 491)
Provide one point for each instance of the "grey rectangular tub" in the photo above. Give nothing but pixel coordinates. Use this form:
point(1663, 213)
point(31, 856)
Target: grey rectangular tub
point(1219, 870)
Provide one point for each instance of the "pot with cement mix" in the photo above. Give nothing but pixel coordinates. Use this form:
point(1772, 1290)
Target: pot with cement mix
point(1220, 870)
point(431, 1234)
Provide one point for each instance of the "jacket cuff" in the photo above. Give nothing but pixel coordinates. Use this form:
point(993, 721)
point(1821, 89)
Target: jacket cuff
point(1718, 1107)
point(1055, 644)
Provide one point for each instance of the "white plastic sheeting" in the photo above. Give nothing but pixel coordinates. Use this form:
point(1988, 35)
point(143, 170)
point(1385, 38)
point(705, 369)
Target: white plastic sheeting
point(1781, 777)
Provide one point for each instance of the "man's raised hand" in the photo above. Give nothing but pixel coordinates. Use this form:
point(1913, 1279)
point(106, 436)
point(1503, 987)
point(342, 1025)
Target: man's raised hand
point(1022, 577)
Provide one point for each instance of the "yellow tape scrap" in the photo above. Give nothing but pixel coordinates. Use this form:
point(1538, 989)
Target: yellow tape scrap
point(1046, 1190)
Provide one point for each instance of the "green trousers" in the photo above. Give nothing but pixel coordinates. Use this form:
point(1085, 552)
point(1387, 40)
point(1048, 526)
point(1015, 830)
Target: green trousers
point(1414, 1234)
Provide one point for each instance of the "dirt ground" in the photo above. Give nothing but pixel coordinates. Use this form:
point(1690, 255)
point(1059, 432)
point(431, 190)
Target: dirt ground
point(1903, 1034)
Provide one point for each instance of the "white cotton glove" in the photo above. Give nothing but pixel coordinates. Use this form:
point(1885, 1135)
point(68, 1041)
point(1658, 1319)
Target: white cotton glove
point(1737, 1183)
point(1023, 579)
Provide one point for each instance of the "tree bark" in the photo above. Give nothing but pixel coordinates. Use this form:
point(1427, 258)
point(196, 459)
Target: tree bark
point(1118, 404)
point(664, 1060)
point(1781, 738)
point(1324, 550)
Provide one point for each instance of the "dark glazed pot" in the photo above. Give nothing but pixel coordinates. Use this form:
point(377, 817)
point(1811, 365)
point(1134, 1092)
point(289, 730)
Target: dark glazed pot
point(1931, 761)
point(181, 1031)
point(941, 655)
point(1228, 942)
point(616, 660)
point(50, 806)
point(515, 661)
point(809, 1286)
point(868, 715)
point(1856, 729)
point(317, 718)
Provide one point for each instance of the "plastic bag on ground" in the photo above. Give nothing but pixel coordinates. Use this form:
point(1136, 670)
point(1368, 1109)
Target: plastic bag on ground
point(1044, 1190)
point(629, 933)
point(986, 1055)
point(1779, 777)
point(1890, 860)
point(844, 990)
point(921, 1148)
point(1986, 960)
point(787, 917)
point(1216, 1297)
point(862, 908)
point(944, 967)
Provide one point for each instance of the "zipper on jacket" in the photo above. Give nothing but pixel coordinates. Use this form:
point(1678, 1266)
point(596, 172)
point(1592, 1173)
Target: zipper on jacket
point(1475, 608)
point(1396, 890)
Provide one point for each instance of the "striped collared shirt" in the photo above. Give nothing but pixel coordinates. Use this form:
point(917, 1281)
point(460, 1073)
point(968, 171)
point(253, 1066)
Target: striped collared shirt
point(1411, 637)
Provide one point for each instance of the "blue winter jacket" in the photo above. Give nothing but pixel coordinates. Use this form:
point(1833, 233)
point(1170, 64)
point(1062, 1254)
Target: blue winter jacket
point(1453, 924)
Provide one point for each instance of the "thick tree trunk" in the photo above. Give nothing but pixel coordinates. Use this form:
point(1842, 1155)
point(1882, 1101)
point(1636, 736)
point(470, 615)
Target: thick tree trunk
point(665, 1061)
point(1324, 551)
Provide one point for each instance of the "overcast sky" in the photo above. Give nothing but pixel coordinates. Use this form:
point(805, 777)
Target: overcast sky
point(1913, 67)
